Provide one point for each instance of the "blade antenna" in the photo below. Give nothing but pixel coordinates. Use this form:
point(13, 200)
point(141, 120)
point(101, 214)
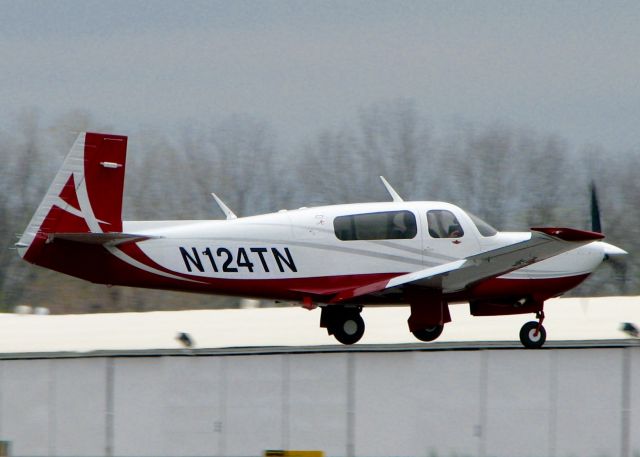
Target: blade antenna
point(596, 223)
point(391, 190)
point(225, 209)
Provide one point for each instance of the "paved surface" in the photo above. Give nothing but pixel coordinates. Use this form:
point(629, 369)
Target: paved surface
point(569, 321)
point(267, 350)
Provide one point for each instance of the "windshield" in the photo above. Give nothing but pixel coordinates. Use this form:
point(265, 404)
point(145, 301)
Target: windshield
point(484, 228)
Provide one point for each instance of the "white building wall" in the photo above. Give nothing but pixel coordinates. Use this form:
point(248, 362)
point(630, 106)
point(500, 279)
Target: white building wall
point(499, 402)
point(167, 406)
point(589, 408)
point(519, 412)
point(139, 389)
point(77, 406)
point(317, 404)
point(254, 404)
point(633, 411)
point(25, 406)
point(417, 403)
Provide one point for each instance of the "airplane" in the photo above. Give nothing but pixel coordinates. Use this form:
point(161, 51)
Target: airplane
point(340, 258)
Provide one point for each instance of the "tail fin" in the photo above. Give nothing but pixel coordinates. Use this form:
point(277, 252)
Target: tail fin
point(86, 194)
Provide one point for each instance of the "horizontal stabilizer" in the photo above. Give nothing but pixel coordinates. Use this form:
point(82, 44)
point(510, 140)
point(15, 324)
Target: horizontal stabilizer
point(99, 238)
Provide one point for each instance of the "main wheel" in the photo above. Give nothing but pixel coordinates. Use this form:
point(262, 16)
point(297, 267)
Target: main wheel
point(528, 336)
point(429, 333)
point(348, 327)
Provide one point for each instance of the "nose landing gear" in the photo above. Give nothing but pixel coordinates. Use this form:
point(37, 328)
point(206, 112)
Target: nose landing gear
point(532, 334)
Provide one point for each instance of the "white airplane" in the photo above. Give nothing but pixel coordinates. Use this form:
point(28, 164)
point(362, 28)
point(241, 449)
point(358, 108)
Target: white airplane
point(340, 257)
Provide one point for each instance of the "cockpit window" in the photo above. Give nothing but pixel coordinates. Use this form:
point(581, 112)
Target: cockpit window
point(443, 224)
point(484, 228)
point(390, 225)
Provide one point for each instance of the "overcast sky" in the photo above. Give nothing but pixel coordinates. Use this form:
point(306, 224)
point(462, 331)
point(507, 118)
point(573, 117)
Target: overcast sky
point(570, 68)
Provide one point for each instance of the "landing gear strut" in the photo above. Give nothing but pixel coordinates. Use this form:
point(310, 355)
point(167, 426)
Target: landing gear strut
point(344, 323)
point(532, 334)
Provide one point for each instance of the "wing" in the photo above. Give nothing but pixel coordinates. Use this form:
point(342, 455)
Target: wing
point(457, 275)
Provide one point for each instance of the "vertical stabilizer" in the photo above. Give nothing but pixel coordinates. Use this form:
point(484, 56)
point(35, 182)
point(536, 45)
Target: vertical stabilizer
point(86, 194)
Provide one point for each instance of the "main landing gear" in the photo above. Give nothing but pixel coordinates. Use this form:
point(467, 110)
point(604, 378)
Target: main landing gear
point(343, 322)
point(532, 334)
point(429, 333)
point(428, 316)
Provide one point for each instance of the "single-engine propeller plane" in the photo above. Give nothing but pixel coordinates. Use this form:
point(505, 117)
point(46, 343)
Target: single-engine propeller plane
point(340, 257)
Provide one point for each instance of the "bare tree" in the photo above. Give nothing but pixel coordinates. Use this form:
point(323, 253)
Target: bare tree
point(512, 178)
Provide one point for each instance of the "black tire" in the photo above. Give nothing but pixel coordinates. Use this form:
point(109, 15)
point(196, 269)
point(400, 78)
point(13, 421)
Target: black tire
point(429, 333)
point(348, 328)
point(527, 337)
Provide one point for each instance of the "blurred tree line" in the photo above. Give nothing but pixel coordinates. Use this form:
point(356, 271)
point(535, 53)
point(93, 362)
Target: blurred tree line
point(513, 178)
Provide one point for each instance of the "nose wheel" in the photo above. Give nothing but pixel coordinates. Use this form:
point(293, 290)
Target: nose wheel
point(532, 334)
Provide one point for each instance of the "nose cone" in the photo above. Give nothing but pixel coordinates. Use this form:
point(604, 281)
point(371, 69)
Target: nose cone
point(611, 251)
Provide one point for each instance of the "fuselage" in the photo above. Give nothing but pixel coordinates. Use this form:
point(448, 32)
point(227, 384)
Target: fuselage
point(290, 254)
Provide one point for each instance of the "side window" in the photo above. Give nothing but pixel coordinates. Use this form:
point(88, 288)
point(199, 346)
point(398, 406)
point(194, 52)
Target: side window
point(443, 224)
point(389, 225)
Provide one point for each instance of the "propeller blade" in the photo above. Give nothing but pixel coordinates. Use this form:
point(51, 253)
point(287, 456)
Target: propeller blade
point(596, 223)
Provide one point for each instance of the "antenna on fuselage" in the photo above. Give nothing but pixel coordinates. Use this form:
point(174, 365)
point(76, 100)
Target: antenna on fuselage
point(391, 190)
point(225, 209)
